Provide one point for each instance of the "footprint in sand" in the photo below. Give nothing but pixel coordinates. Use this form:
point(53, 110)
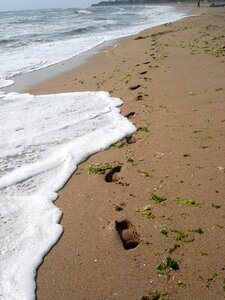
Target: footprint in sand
point(131, 139)
point(131, 114)
point(134, 87)
point(127, 234)
point(112, 175)
point(144, 72)
point(140, 97)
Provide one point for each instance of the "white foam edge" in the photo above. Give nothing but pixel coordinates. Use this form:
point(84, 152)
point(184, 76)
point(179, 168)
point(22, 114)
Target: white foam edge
point(5, 82)
point(45, 197)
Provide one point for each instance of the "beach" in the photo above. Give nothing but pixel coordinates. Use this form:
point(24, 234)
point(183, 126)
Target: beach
point(166, 192)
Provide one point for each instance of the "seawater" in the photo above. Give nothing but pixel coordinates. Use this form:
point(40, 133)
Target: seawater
point(44, 138)
point(34, 39)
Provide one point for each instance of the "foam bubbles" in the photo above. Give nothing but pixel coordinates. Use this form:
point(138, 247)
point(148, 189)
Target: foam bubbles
point(42, 140)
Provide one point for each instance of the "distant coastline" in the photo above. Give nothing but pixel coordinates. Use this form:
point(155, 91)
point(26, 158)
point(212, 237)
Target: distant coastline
point(133, 2)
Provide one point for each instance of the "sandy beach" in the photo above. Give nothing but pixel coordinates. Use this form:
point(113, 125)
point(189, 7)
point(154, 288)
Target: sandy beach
point(164, 197)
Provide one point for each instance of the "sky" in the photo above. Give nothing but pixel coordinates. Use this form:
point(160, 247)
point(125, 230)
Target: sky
point(6, 5)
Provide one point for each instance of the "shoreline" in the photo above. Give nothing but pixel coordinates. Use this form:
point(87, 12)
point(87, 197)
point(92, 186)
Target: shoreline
point(27, 80)
point(89, 261)
point(33, 78)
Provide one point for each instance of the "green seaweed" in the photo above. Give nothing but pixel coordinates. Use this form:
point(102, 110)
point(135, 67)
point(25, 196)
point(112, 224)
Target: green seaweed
point(219, 226)
point(181, 235)
point(144, 173)
point(158, 253)
point(143, 129)
point(158, 198)
point(188, 202)
point(145, 212)
point(164, 230)
point(212, 277)
point(155, 295)
point(215, 205)
point(118, 145)
point(98, 168)
point(130, 160)
point(203, 253)
point(168, 264)
point(224, 284)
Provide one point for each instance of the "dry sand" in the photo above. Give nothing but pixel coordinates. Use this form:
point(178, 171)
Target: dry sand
point(178, 151)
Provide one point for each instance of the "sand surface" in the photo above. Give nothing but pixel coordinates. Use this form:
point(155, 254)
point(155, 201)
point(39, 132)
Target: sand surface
point(172, 81)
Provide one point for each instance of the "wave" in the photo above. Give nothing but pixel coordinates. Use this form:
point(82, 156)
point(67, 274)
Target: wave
point(83, 12)
point(101, 19)
point(12, 43)
point(6, 41)
point(68, 33)
point(28, 21)
point(78, 31)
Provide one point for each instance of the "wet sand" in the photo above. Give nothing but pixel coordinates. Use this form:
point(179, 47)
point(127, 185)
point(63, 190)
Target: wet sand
point(166, 196)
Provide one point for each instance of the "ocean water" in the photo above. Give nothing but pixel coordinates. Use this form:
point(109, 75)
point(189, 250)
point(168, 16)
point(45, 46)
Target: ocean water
point(34, 39)
point(44, 138)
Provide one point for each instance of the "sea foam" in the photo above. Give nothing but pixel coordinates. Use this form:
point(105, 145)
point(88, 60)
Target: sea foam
point(42, 140)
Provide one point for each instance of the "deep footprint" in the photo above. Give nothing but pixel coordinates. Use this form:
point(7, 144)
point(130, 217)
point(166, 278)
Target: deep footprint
point(131, 140)
point(112, 175)
point(139, 97)
point(127, 234)
point(134, 87)
point(131, 114)
point(144, 72)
